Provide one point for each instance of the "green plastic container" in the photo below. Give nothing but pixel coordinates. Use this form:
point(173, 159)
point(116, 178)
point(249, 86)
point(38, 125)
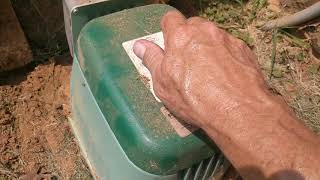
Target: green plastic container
point(119, 124)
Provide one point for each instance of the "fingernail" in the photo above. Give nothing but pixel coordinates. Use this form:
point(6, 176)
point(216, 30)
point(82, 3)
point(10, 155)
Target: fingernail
point(139, 49)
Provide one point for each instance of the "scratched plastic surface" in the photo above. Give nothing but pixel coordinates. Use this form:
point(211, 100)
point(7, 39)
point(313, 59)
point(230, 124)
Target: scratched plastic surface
point(134, 115)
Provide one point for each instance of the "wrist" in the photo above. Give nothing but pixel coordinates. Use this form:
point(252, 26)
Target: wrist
point(268, 137)
point(247, 115)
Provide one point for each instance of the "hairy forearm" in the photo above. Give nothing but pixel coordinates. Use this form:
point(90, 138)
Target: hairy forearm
point(268, 142)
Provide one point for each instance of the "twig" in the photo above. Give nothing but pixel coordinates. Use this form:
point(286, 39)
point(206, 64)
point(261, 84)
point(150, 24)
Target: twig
point(274, 51)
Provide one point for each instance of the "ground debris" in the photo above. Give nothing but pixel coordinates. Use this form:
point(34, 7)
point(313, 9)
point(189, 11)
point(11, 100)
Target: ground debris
point(36, 141)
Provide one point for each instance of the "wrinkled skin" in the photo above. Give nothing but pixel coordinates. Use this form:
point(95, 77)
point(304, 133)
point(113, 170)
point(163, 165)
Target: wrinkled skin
point(196, 63)
point(211, 79)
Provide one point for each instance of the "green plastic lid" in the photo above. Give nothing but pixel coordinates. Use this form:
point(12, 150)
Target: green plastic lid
point(137, 119)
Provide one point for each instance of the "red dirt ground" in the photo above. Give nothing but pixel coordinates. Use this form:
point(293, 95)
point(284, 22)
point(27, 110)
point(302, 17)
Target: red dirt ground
point(36, 141)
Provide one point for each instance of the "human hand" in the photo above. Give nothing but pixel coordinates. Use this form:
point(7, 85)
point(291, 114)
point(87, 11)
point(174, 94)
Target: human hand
point(204, 73)
point(211, 79)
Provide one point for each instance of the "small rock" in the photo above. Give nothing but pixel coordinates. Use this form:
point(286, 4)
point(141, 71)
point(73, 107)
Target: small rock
point(37, 112)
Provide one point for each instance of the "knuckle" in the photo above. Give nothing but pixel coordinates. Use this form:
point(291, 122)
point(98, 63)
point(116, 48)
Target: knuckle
point(168, 14)
point(208, 24)
point(148, 58)
point(173, 14)
point(216, 33)
point(180, 30)
point(181, 36)
point(195, 20)
point(213, 27)
point(151, 55)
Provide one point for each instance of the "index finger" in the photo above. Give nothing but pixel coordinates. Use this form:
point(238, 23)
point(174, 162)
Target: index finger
point(170, 21)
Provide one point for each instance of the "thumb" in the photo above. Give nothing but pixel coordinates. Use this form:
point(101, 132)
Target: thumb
point(150, 53)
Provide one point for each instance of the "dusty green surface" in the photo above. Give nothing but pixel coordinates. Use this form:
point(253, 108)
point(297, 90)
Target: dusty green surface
point(129, 107)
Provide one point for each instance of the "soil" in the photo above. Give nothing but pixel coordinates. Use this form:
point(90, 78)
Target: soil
point(36, 141)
